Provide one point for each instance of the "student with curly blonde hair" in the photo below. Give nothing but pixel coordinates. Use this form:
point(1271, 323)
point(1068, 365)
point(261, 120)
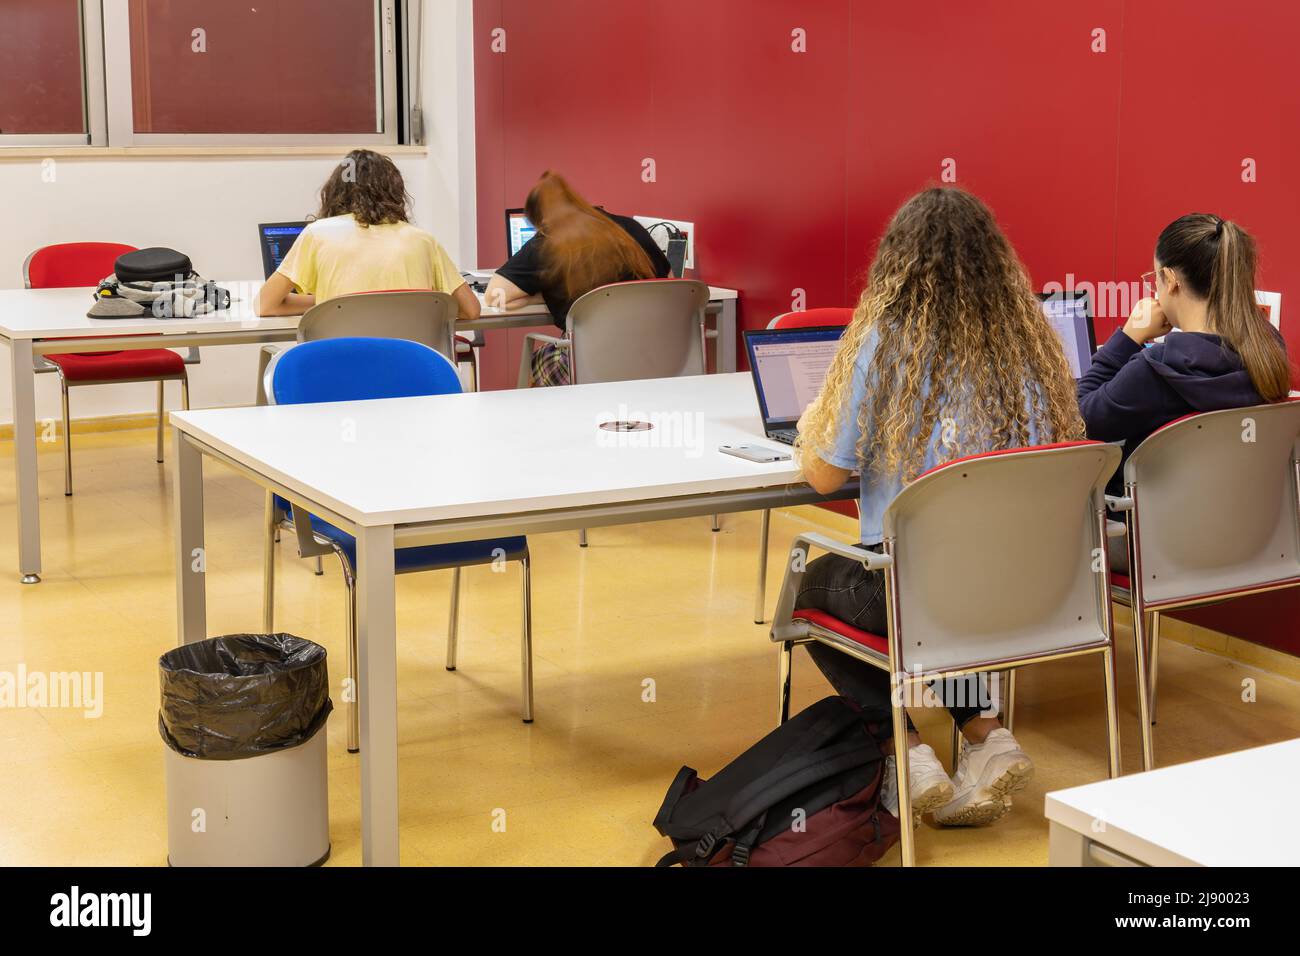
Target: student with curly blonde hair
point(948, 354)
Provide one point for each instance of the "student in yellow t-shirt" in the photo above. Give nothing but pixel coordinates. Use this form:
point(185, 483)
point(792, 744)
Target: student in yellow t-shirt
point(362, 241)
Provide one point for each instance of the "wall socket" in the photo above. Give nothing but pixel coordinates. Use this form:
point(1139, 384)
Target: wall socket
point(661, 235)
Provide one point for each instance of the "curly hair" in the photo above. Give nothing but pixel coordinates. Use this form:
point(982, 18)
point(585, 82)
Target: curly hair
point(369, 186)
point(958, 327)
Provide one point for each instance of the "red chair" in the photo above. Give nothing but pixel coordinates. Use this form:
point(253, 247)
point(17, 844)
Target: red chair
point(797, 320)
point(73, 264)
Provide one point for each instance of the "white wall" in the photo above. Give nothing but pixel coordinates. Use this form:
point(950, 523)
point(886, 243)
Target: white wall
point(209, 208)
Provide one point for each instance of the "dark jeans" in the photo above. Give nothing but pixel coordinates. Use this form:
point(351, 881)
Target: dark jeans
point(846, 590)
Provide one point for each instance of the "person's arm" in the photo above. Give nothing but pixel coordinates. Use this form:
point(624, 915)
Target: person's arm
point(822, 475)
point(466, 301)
point(1115, 394)
point(276, 297)
point(503, 294)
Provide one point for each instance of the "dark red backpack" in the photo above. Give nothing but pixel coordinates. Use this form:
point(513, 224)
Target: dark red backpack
point(807, 794)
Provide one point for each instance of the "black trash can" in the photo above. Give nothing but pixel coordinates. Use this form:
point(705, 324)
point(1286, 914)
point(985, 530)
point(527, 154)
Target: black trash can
point(243, 717)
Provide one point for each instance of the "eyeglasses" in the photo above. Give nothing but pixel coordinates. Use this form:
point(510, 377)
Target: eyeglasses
point(1149, 290)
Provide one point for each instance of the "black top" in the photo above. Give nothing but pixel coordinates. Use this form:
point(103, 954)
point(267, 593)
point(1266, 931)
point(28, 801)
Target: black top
point(1130, 391)
point(525, 267)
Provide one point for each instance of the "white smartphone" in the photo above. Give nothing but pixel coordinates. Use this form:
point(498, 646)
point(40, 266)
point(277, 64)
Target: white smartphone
point(755, 453)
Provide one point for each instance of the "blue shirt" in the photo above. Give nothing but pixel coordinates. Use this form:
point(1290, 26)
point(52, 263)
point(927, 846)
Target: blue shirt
point(878, 490)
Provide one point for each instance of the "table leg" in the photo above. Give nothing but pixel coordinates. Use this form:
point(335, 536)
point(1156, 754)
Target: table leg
point(191, 556)
point(28, 492)
point(377, 694)
point(1066, 847)
point(726, 358)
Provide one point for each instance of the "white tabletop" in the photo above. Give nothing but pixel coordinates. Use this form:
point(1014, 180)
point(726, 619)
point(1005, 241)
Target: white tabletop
point(408, 460)
point(61, 313)
point(1232, 810)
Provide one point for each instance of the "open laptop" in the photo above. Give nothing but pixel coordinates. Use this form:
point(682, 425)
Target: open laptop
point(789, 367)
point(518, 230)
point(276, 239)
point(1070, 313)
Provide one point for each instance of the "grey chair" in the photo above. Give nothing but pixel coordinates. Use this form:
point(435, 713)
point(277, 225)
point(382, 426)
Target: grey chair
point(990, 564)
point(650, 328)
point(417, 315)
point(1210, 507)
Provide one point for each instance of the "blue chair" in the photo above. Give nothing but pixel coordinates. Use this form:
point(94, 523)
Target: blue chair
point(354, 369)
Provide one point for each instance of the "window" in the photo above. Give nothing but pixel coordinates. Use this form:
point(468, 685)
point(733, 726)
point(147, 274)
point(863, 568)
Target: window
point(42, 76)
point(194, 72)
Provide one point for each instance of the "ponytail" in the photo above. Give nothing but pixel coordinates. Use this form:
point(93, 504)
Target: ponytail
point(1216, 260)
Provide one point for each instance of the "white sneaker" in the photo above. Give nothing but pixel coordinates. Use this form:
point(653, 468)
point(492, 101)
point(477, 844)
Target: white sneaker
point(929, 785)
point(987, 775)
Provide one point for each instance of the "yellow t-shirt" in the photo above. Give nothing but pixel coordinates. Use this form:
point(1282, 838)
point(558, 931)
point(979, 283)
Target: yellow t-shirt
point(336, 256)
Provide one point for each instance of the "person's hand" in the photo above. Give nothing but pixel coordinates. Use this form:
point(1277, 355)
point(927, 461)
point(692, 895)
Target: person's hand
point(1147, 321)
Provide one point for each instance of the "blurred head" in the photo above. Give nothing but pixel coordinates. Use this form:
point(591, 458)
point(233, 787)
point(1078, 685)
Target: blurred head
point(959, 326)
point(367, 185)
point(584, 248)
point(1202, 260)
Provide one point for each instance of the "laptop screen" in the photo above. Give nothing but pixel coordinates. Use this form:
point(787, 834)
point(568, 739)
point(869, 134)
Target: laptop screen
point(518, 230)
point(1070, 313)
point(277, 239)
point(789, 367)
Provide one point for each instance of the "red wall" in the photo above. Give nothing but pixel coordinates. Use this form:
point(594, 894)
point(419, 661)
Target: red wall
point(790, 164)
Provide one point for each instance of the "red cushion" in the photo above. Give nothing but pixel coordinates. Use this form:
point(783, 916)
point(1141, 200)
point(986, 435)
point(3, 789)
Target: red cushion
point(118, 366)
point(1119, 580)
point(813, 616)
point(812, 317)
point(71, 264)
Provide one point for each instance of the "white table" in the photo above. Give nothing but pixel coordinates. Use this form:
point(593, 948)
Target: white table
point(37, 321)
point(524, 462)
point(1231, 810)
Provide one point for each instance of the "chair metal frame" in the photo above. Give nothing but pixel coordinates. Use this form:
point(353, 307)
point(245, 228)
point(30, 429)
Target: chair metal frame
point(789, 630)
point(41, 365)
point(1158, 455)
point(312, 544)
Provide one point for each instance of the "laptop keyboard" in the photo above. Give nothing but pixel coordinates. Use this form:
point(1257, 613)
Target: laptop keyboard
point(785, 436)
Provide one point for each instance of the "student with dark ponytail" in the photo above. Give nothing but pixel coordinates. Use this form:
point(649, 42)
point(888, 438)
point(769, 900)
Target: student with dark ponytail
point(1220, 351)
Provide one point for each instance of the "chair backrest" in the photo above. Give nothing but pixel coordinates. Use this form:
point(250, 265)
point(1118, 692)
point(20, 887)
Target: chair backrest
point(996, 556)
point(651, 328)
point(356, 369)
point(417, 315)
point(836, 315)
point(1215, 501)
point(68, 265)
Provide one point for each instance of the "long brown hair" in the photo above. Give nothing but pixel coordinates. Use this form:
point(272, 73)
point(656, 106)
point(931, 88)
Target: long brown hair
point(1215, 258)
point(369, 186)
point(584, 248)
point(961, 336)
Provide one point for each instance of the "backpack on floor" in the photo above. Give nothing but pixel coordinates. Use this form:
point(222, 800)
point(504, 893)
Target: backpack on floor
point(807, 794)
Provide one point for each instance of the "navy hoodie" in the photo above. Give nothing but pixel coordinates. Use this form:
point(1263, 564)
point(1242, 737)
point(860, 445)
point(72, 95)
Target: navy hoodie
point(1132, 390)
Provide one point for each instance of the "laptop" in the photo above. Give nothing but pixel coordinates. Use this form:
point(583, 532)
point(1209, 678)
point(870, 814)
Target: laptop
point(789, 367)
point(1070, 313)
point(276, 239)
point(518, 231)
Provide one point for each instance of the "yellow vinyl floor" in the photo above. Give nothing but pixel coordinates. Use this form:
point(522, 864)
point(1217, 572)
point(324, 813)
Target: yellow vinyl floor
point(668, 603)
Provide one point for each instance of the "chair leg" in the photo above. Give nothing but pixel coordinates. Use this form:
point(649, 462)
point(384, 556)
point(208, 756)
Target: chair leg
point(907, 837)
point(1143, 685)
point(717, 523)
point(760, 593)
point(161, 397)
point(783, 684)
point(354, 711)
point(1155, 659)
point(453, 619)
point(582, 537)
point(1112, 713)
point(1009, 702)
point(526, 645)
point(185, 393)
point(67, 440)
point(268, 567)
point(320, 567)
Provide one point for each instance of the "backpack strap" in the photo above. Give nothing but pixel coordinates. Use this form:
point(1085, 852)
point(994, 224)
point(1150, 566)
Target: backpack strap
point(794, 775)
point(663, 819)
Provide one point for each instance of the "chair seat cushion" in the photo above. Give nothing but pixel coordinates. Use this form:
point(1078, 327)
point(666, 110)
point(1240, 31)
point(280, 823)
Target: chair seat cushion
point(823, 620)
point(430, 557)
point(118, 366)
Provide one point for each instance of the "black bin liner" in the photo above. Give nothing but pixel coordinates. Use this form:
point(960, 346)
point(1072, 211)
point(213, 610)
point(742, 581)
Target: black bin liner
point(242, 695)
